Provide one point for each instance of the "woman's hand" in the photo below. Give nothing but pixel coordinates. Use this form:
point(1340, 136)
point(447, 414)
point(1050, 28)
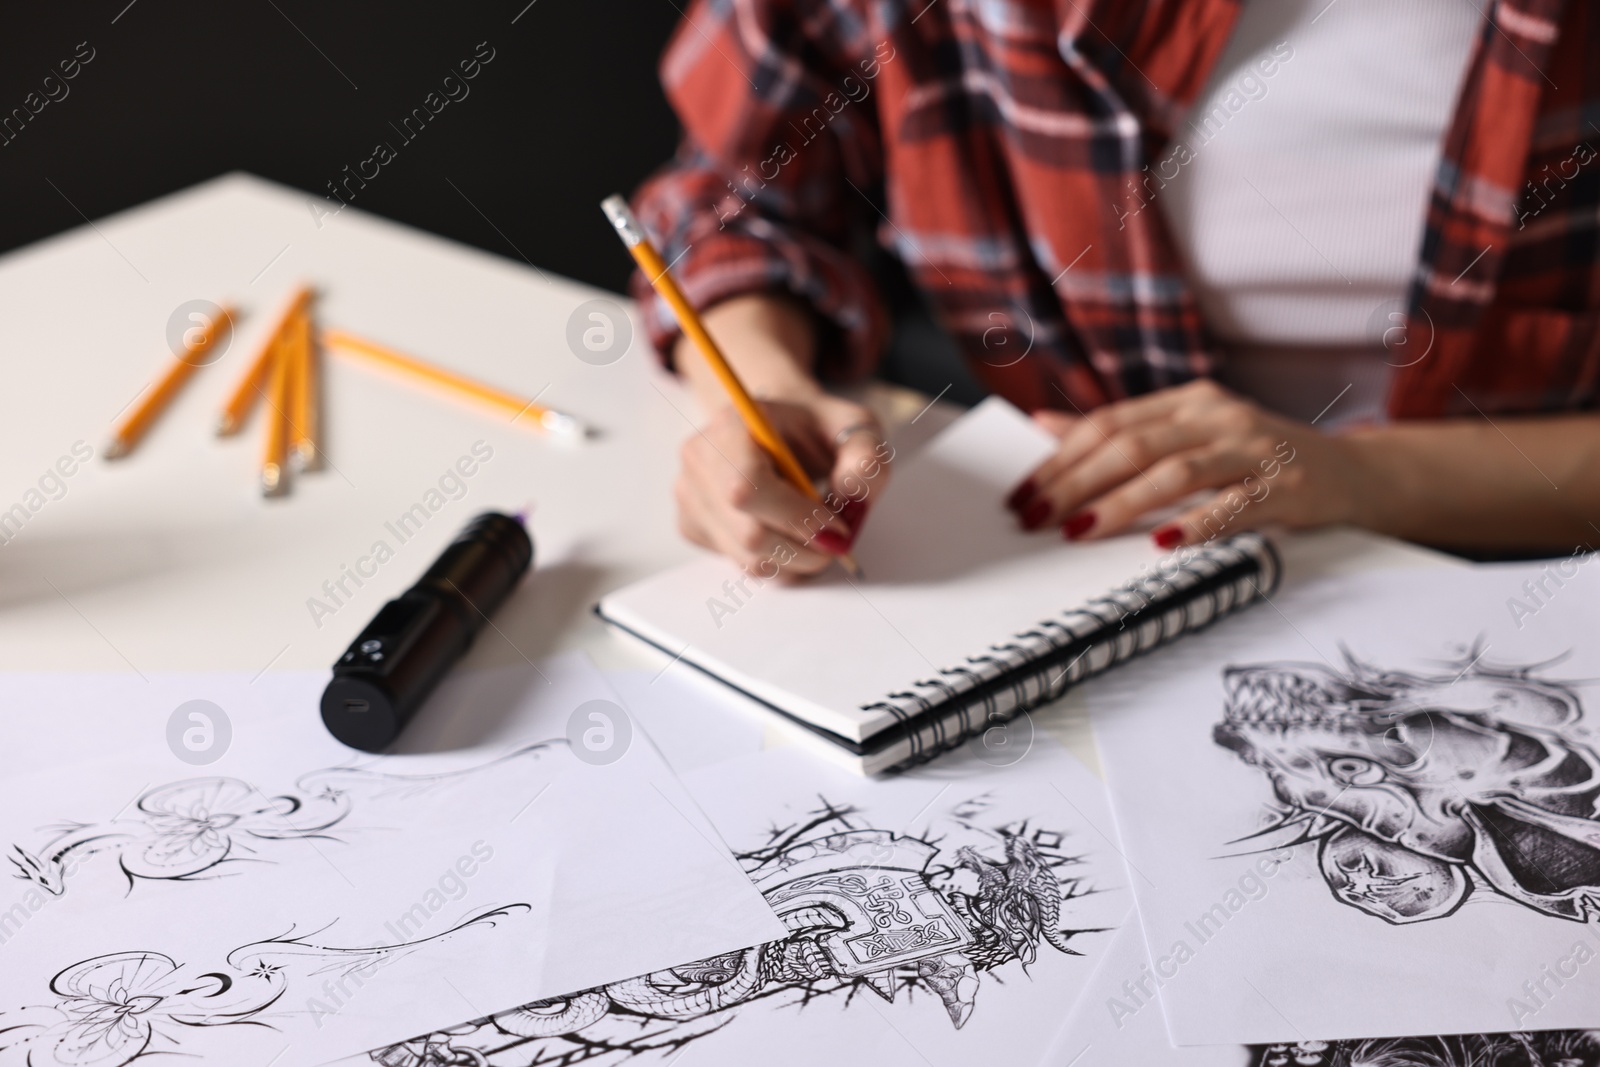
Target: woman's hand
point(1125, 459)
point(731, 496)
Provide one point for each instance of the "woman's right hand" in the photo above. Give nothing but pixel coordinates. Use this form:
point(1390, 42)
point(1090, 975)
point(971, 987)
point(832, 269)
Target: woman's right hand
point(731, 496)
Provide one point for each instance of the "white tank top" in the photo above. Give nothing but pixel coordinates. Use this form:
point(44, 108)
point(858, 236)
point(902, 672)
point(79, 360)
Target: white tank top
point(1299, 206)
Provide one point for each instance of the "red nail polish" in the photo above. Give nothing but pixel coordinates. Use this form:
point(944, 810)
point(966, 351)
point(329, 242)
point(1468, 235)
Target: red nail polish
point(852, 515)
point(1167, 536)
point(1077, 525)
point(1021, 495)
point(830, 542)
point(1036, 514)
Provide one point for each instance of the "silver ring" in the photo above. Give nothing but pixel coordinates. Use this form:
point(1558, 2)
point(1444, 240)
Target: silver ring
point(850, 431)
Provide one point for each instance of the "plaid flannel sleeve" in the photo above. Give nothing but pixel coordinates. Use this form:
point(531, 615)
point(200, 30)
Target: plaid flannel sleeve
point(780, 148)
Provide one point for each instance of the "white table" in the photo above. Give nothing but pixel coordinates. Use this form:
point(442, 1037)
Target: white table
point(172, 560)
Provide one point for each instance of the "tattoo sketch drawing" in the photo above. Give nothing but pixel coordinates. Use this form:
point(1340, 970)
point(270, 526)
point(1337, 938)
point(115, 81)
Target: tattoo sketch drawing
point(1548, 1048)
point(869, 912)
point(192, 828)
point(114, 1009)
point(1420, 789)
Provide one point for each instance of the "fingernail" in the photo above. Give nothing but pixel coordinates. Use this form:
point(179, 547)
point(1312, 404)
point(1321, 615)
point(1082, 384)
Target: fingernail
point(1167, 536)
point(1036, 515)
point(852, 514)
point(1021, 495)
point(830, 542)
point(1077, 525)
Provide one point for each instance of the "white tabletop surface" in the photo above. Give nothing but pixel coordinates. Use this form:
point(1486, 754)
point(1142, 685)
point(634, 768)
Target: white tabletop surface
point(171, 559)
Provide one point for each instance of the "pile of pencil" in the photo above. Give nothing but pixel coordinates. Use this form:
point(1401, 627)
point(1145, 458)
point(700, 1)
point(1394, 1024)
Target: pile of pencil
point(286, 373)
point(285, 376)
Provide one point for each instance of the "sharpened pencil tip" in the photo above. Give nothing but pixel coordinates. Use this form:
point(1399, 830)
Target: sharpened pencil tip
point(848, 562)
point(226, 426)
point(563, 425)
point(115, 450)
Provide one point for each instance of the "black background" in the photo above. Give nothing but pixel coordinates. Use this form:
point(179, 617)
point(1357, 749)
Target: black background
point(179, 91)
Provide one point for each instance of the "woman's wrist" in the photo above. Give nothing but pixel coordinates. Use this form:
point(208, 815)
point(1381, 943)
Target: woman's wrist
point(1383, 473)
point(1480, 484)
point(769, 339)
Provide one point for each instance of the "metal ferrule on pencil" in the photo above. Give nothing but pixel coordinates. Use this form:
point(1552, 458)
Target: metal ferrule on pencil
point(621, 216)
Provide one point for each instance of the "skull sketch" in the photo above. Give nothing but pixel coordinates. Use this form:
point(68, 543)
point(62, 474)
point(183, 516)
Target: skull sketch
point(1421, 788)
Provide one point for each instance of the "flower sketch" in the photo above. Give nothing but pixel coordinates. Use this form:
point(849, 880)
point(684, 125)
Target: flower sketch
point(192, 828)
point(114, 1009)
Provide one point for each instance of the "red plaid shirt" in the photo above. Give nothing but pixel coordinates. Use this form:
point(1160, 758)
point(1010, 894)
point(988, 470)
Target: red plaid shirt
point(998, 147)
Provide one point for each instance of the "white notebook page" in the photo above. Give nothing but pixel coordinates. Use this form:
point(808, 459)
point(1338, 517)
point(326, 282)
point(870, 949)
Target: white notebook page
point(947, 574)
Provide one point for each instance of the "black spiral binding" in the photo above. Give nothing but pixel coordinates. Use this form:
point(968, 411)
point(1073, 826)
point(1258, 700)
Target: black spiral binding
point(1187, 591)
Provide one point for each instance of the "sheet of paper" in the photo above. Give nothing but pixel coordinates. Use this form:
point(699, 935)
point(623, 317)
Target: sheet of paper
point(695, 721)
point(1118, 1023)
point(1370, 811)
point(942, 918)
point(201, 870)
point(947, 574)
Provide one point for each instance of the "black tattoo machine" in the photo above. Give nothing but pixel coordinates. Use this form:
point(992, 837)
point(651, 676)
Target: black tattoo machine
point(410, 645)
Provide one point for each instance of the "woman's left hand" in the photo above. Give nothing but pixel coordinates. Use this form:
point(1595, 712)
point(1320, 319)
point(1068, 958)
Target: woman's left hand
point(1128, 458)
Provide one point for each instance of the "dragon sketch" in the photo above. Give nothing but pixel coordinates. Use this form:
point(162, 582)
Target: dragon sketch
point(868, 911)
point(1420, 789)
point(114, 1009)
point(189, 829)
point(1550, 1048)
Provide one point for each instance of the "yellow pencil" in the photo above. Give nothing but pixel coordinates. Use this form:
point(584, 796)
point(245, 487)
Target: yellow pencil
point(755, 420)
point(303, 410)
point(254, 381)
point(275, 455)
point(134, 425)
point(427, 374)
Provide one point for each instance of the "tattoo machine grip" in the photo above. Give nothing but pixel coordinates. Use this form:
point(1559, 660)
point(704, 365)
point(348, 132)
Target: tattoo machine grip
point(410, 645)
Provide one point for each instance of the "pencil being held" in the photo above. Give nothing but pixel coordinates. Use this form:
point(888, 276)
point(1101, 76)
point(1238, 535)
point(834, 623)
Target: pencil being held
point(780, 447)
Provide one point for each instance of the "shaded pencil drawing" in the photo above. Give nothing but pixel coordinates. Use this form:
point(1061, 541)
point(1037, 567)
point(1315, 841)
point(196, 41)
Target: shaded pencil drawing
point(191, 828)
point(1550, 1048)
point(869, 911)
point(124, 1006)
point(1419, 789)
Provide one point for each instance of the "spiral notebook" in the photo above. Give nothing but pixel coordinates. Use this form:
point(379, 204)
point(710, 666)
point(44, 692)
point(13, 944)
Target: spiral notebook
point(960, 620)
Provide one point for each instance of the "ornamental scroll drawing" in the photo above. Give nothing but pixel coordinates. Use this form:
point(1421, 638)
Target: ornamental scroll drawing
point(869, 912)
point(1420, 789)
point(114, 1009)
point(192, 828)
